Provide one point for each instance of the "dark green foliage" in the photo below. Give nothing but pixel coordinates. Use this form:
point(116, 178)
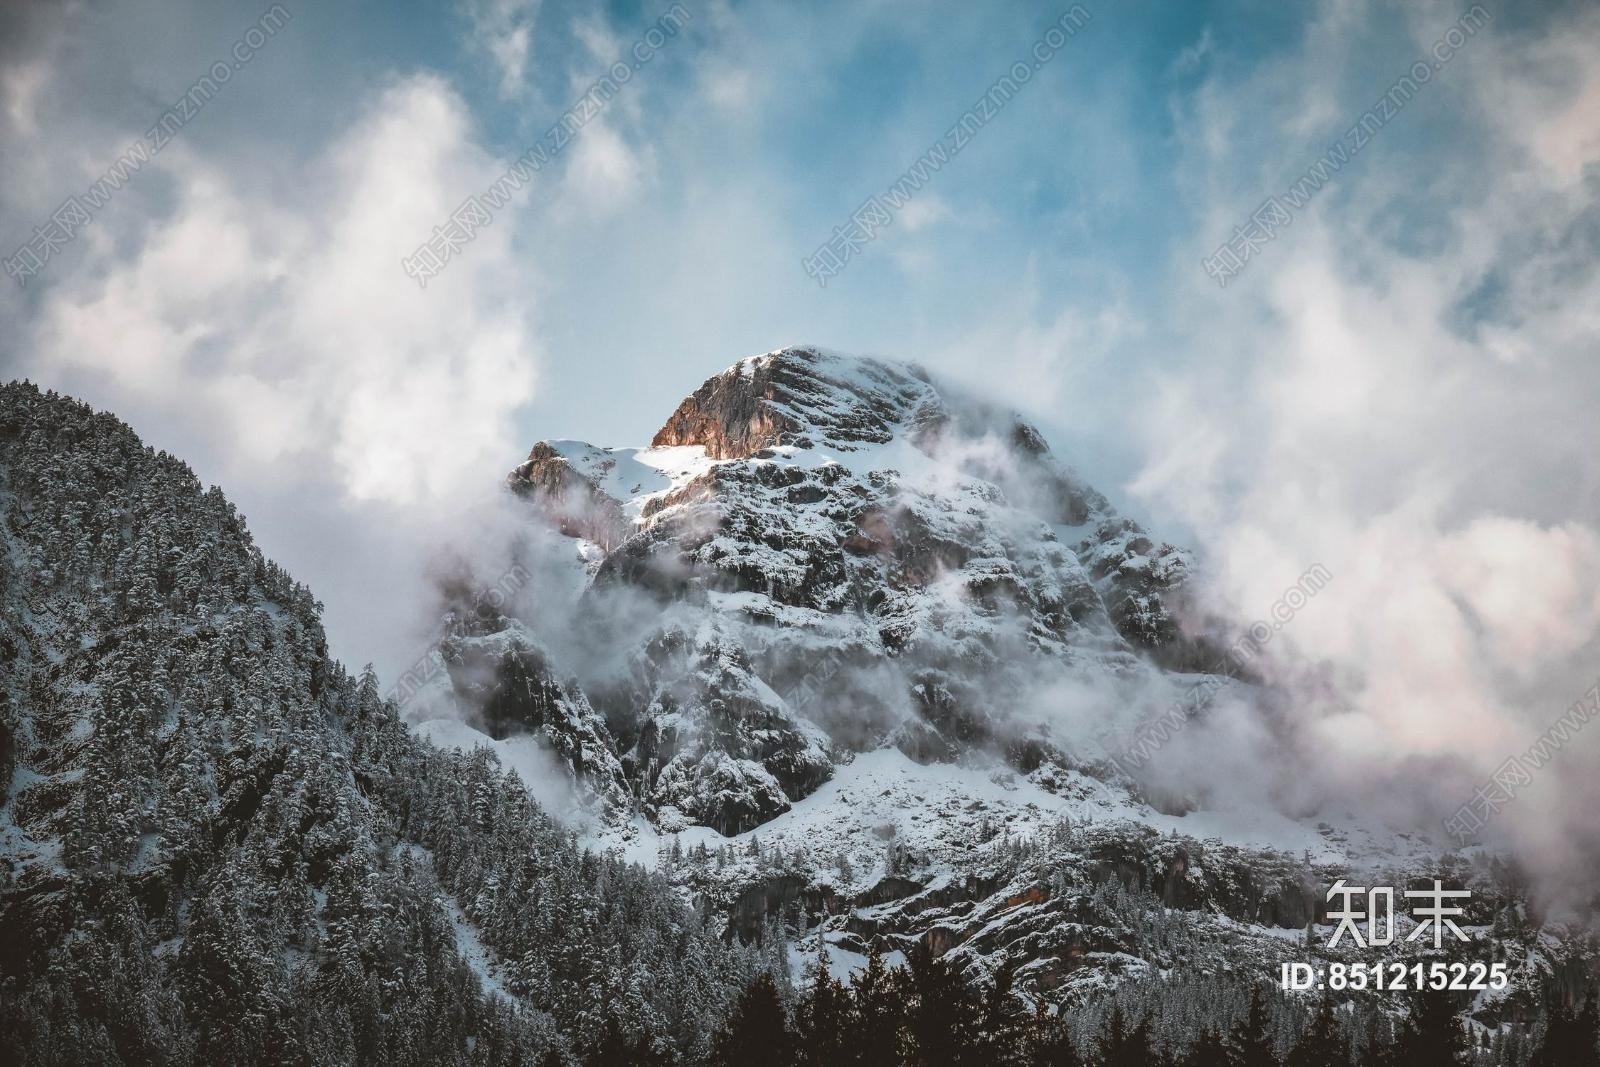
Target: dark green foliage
point(1322, 1045)
point(758, 1030)
point(1001, 1020)
point(225, 849)
point(1125, 1044)
point(1250, 1040)
point(942, 1014)
point(1432, 1035)
point(1208, 1050)
point(824, 1020)
point(1050, 1042)
point(879, 1012)
point(1569, 1037)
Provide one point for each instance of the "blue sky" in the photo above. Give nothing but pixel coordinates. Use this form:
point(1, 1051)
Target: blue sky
point(1399, 385)
point(761, 127)
point(743, 143)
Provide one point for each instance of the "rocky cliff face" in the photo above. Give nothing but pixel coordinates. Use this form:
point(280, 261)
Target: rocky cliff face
point(704, 741)
point(569, 500)
point(798, 397)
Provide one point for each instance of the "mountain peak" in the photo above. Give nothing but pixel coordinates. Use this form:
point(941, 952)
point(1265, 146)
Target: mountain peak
point(799, 396)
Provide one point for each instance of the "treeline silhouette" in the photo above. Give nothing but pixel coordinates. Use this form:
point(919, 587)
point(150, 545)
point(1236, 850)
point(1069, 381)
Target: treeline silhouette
point(926, 1015)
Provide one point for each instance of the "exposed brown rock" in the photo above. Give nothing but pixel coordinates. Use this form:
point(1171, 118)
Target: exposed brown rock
point(573, 503)
point(785, 397)
point(731, 415)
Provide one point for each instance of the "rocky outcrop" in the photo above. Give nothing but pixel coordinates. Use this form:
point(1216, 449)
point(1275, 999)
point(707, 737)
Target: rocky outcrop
point(1141, 583)
point(505, 684)
point(706, 742)
point(571, 502)
point(796, 396)
point(730, 416)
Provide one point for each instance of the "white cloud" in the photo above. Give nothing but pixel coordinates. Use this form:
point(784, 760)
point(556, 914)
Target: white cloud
point(1552, 86)
point(921, 213)
point(259, 324)
point(292, 316)
point(1195, 56)
point(22, 84)
point(604, 172)
point(734, 89)
point(1355, 400)
point(1535, 591)
point(1047, 354)
point(504, 30)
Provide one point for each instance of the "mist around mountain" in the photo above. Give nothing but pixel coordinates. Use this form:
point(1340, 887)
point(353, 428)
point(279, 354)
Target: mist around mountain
point(799, 735)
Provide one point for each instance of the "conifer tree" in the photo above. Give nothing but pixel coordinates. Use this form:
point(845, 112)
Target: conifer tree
point(876, 995)
point(1208, 1050)
point(1000, 1022)
point(757, 1031)
point(1050, 1041)
point(1432, 1035)
point(610, 1050)
point(822, 1022)
point(1587, 1052)
point(1125, 1044)
point(1250, 1040)
point(1322, 1045)
point(942, 1014)
point(1569, 1038)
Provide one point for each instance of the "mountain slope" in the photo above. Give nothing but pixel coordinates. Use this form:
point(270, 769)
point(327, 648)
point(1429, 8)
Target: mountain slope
point(218, 846)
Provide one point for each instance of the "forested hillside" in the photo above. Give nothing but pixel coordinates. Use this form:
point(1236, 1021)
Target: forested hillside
point(221, 847)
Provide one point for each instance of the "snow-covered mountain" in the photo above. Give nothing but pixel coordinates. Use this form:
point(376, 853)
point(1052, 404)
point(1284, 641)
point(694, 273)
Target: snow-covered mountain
point(861, 646)
point(833, 667)
point(833, 555)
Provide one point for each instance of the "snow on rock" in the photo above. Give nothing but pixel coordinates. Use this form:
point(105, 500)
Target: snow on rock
point(858, 644)
point(498, 682)
point(819, 556)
